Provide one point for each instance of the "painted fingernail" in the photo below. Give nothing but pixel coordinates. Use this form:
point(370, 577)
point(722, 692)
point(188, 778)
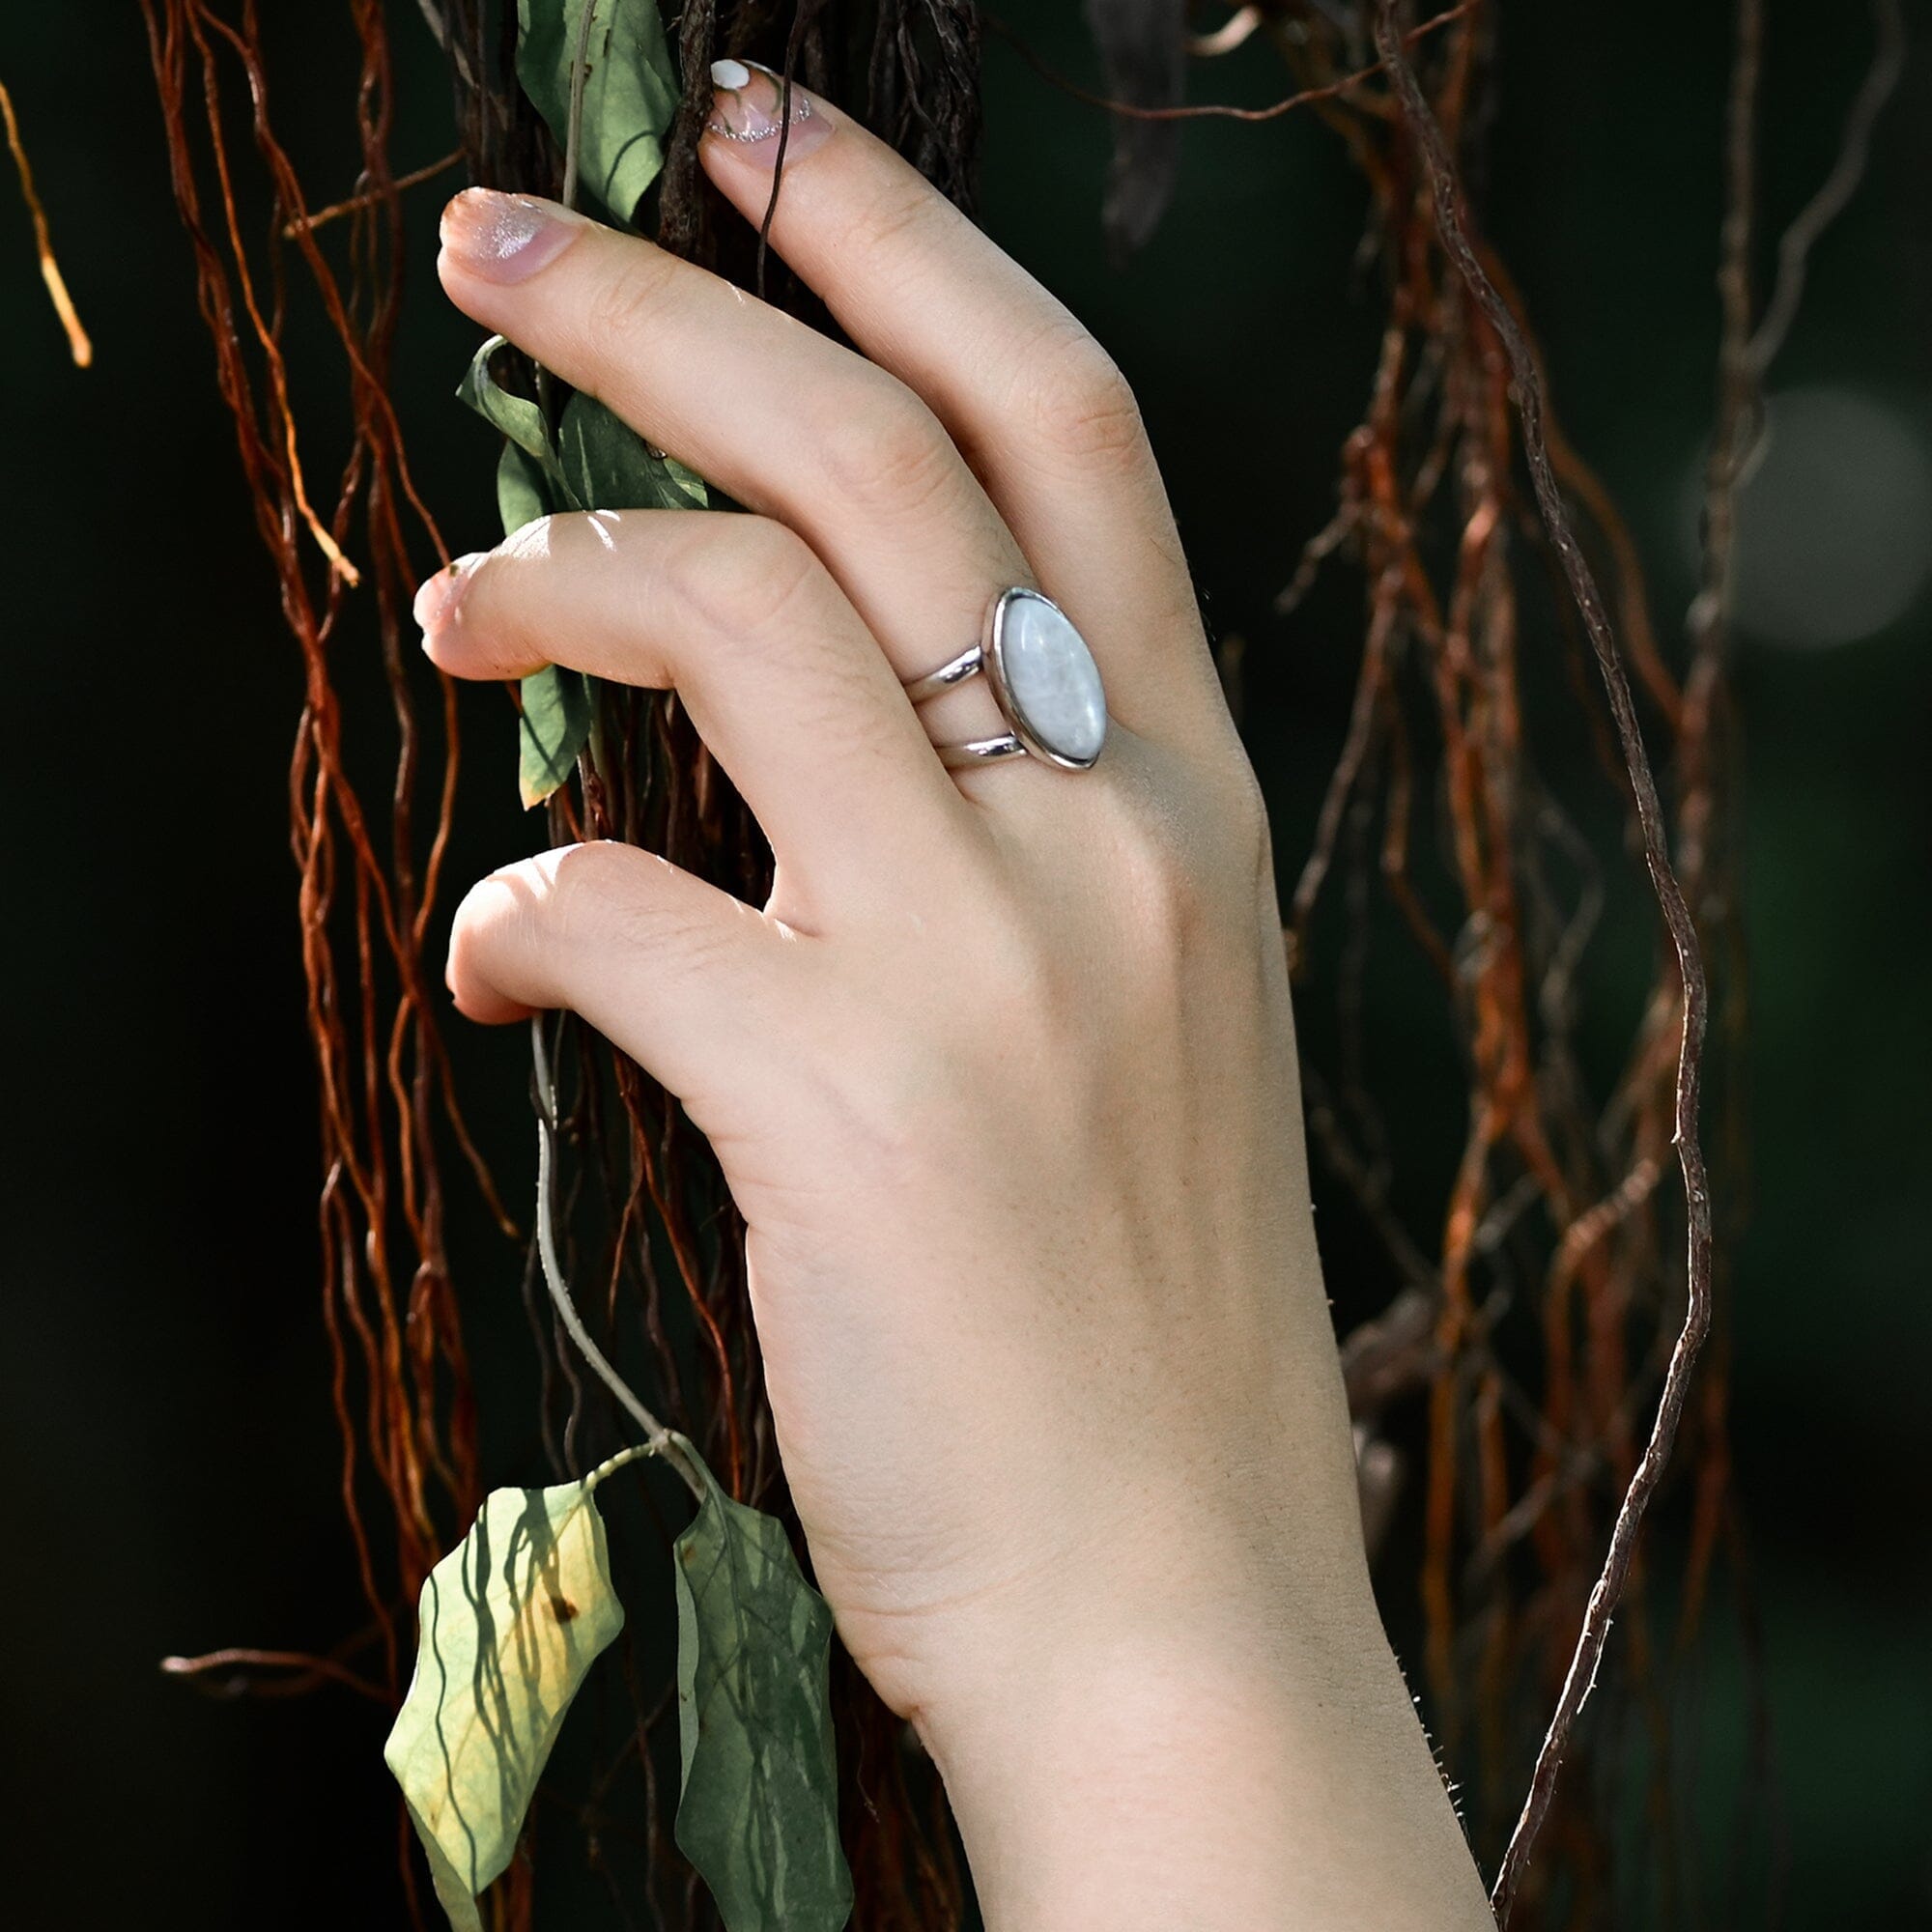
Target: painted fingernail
point(747, 110)
point(507, 238)
point(437, 596)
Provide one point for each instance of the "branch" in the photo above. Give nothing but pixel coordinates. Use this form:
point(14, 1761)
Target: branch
point(1128, 112)
point(78, 345)
point(308, 1668)
point(1451, 229)
point(1834, 192)
point(370, 198)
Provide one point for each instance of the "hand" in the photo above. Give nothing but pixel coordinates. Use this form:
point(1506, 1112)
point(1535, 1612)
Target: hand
point(1002, 1077)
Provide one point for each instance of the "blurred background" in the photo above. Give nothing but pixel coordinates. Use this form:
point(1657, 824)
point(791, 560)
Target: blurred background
point(162, 1386)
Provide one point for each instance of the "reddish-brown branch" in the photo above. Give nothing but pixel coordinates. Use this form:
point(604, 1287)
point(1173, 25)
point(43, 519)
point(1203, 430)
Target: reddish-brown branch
point(1308, 97)
point(1453, 232)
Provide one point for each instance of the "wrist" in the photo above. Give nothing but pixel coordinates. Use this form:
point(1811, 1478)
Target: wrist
point(1210, 1775)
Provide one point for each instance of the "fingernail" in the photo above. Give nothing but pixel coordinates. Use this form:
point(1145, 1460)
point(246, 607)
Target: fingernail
point(507, 238)
point(746, 111)
point(437, 595)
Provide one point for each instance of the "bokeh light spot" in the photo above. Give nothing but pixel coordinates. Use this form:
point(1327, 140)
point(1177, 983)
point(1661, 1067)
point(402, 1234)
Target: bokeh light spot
point(1834, 537)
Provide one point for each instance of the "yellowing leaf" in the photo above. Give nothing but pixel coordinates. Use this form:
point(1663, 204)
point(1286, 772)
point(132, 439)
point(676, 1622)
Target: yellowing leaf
point(510, 1621)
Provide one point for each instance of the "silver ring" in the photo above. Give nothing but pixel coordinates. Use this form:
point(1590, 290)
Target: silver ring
point(1044, 679)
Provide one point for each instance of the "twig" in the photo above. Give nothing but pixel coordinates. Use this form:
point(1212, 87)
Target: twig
point(368, 198)
point(78, 345)
point(1236, 31)
point(803, 19)
point(1453, 232)
point(1216, 112)
point(659, 1439)
point(1834, 192)
point(278, 1660)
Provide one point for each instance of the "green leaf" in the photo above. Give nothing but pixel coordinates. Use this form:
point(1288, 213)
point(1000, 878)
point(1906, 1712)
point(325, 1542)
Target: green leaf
point(519, 418)
point(609, 467)
point(559, 708)
point(520, 495)
point(630, 90)
point(510, 1620)
point(758, 1815)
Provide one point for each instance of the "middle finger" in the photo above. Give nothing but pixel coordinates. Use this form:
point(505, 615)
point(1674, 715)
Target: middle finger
point(785, 420)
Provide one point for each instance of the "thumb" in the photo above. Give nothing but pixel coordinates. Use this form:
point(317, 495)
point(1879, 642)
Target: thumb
point(685, 978)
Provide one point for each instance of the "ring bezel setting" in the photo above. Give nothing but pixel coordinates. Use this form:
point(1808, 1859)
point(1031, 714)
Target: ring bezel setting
point(1075, 681)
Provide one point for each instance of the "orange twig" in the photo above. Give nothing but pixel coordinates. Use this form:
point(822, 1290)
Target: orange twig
point(76, 336)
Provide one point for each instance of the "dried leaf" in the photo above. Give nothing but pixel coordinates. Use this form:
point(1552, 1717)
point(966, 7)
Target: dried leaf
point(630, 91)
point(758, 1815)
point(509, 1623)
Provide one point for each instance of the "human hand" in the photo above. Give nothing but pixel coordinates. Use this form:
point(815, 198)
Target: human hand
point(1002, 1076)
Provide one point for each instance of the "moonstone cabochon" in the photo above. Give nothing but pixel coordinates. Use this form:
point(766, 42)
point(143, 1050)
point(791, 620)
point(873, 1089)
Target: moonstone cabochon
point(1051, 682)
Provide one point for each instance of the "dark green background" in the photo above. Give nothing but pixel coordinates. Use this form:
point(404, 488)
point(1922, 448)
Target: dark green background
point(167, 1440)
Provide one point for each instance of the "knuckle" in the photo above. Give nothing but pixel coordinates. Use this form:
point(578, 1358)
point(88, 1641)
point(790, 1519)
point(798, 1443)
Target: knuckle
point(619, 311)
point(1166, 897)
point(895, 214)
point(1079, 406)
point(603, 902)
point(888, 453)
point(1187, 863)
point(742, 578)
point(1241, 813)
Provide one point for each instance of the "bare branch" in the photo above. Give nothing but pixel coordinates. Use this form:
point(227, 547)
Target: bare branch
point(1835, 191)
point(1451, 229)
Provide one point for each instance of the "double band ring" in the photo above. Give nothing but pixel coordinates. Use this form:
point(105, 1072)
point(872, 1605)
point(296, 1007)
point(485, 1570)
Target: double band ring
point(1044, 679)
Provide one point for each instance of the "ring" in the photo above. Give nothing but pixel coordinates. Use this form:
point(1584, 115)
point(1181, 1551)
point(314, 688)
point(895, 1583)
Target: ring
point(1044, 680)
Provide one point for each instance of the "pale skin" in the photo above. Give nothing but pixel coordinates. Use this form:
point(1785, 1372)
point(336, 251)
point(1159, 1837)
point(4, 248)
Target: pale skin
point(1002, 1074)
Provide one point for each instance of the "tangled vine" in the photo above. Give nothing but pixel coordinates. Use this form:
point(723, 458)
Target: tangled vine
point(1546, 1328)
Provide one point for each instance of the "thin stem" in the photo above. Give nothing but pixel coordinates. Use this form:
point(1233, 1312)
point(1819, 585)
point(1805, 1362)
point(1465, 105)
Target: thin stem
point(308, 1668)
point(1834, 192)
point(579, 72)
point(622, 1460)
point(370, 198)
point(1127, 110)
point(660, 1439)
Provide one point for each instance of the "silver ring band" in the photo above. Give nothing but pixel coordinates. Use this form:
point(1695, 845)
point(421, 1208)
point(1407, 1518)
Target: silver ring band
point(969, 661)
point(981, 752)
point(1044, 679)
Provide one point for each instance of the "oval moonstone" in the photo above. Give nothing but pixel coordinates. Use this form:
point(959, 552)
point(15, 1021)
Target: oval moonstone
point(1052, 681)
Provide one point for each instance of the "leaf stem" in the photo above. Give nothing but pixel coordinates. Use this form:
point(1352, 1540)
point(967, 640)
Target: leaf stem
point(623, 1460)
point(660, 1439)
point(579, 72)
